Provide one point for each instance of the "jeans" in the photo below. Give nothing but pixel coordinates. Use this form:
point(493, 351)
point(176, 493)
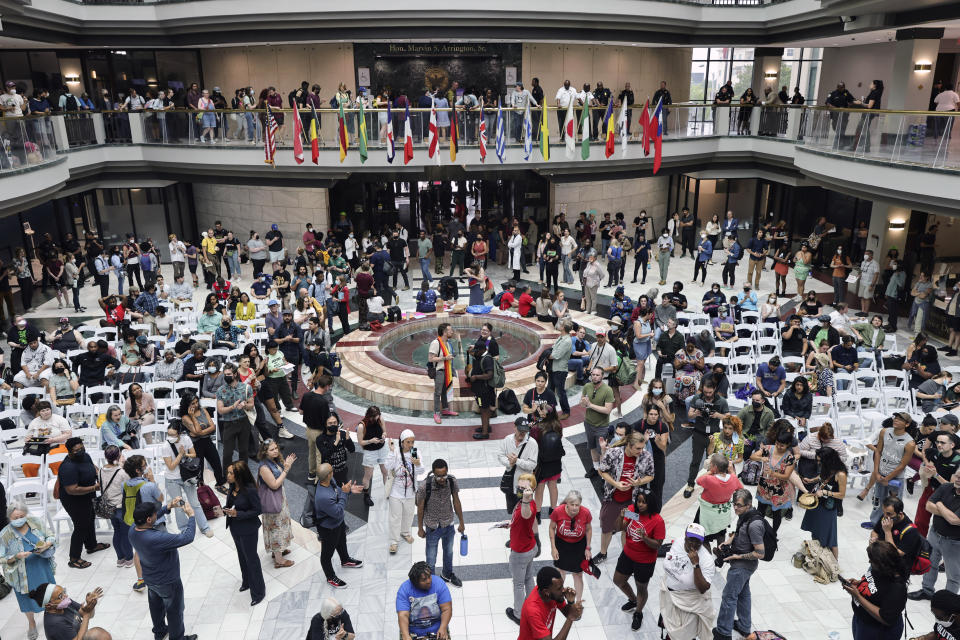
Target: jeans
point(839, 289)
point(166, 609)
point(425, 269)
point(400, 268)
point(188, 490)
point(700, 266)
point(558, 380)
point(918, 313)
point(332, 540)
point(76, 301)
point(567, 272)
point(434, 536)
point(948, 550)
point(233, 265)
point(521, 570)
point(577, 365)
point(640, 263)
point(735, 601)
point(121, 539)
point(456, 261)
point(729, 273)
point(590, 298)
point(880, 493)
point(403, 511)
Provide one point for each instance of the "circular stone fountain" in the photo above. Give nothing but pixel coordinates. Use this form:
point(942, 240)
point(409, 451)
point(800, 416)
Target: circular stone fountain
point(388, 367)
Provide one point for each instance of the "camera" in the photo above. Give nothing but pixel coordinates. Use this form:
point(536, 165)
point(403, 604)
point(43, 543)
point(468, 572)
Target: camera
point(701, 405)
point(722, 552)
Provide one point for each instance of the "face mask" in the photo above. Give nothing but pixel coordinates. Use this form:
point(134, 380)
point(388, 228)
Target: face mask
point(228, 379)
point(172, 439)
point(19, 522)
point(211, 369)
point(656, 392)
point(757, 405)
point(772, 300)
point(946, 622)
point(78, 454)
point(22, 324)
point(63, 604)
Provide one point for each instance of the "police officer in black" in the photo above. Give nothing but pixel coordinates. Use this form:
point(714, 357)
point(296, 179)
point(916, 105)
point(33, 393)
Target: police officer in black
point(627, 95)
point(602, 96)
point(663, 94)
point(839, 98)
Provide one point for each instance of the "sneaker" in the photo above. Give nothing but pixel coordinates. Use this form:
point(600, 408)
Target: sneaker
point(336, 582)
point(312, 477)
point(593, 473)
point(630, 606)
point(600, 558)
point(436, 418)
point(284, 433)
point(208, 533)
point(352, 563)
point(139, 586)
point(367, 500)
point(121, 563)
point(944, 348)
point(452, 579)
point(910, 484)
point(449, 412)
point(637, 620)
point(951, 353)
point(513, 616)
point(919, 594)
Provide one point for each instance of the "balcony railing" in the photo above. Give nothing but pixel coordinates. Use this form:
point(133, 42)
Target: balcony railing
point(919, 139)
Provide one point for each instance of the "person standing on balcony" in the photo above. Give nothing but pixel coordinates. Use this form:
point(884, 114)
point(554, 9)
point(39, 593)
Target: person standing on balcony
point(626, 97)
point(946, 100)
point(797, 97)
point(663, 94)
point(601, 96)
point(839, 98)
point(518, 101)
point(133, 101)
point(747, 101)
point(208, 122)
point(565, 94)
point(872, 101)
point(537, 92)
point(12, 104)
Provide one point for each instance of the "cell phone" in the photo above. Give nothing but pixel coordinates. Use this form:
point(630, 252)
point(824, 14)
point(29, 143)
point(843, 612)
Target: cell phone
point(413, 452)
point(630, 515)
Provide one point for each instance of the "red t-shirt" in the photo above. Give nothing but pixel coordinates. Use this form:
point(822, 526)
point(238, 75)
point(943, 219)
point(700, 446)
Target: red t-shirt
point(629, 464)
point(525, 303)
point(115, 315)
point(506, 301)
point(635, 548)
point(715, 490)
point(571, 529)
point(522, 529)
point(537, 616)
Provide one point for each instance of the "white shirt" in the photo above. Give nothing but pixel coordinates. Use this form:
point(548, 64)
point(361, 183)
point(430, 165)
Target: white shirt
point(946, 101)
point(176, 251)
point(678, 570)
point(184, 442)
point(585, 97)
point(52, 428)
point(565, 95)
point(14, 100)
point(525, 463)
point(568, 245)
point(36, 359)
point(869, 271)
point(350, 247)
point(133, 103)
point(375, 305)
point(840, 321)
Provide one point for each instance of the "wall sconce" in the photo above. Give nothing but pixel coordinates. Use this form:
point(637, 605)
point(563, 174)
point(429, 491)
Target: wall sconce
point(923, 67)
point(72, 78)
point(93, 74)
point(769, 75)
point(898, 225)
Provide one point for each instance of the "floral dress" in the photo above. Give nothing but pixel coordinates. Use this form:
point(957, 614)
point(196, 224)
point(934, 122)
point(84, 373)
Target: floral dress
point(277, 532)
point(773, 491)
point(688, 376)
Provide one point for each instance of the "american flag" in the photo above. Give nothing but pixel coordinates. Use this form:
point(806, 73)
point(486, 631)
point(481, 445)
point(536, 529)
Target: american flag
point(270, 139)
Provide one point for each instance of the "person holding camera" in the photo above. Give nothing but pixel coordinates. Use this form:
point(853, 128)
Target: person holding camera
point(707, 410)
point(160, 561)
point(741, 552)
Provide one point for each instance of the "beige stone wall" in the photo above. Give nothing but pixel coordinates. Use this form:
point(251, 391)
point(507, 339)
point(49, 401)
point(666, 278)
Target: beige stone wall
point(242, 208)
point(628, 196)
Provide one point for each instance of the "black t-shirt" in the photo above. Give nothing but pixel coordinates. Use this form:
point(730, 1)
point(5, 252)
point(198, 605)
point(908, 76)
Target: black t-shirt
point(274, 240)
point(656, 429)
point(180, 347)
point(794, 344)
point(77, 472)
point(231, 247)
point(533, 399)
point(605, 227)
point(889, 595)
point(906, 537)
point(396, 247)
point(315, 409)
point(947, 633)
point(947, 495)
point(317, 632)
point(811, 308)
point(945, 467)
point(63, 626)
point(481, 367)
point(281, 279)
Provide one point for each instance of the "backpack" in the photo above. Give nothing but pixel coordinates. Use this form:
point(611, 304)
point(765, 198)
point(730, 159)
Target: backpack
point(769, 537)
point(507, 402)
point(499, 375)
point(428, 487)
point(209, 502)
point(145, 263)
point(751, 472)
point(394, 314)
point(626, 371)
point(131, 500)
point(497, 298)
point(544, 359)
point(921, 564)
point(72, 103)
point(736, 251)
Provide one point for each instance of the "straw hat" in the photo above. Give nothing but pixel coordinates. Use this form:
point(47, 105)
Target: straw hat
point(808, 501)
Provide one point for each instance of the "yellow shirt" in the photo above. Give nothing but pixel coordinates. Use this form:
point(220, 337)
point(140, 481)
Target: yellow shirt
point(209, 245)
point(246, 311)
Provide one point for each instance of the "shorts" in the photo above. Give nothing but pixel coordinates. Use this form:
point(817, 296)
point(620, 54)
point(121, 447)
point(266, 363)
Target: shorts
point(375, 457)
point(277, 256)
point(954, 322)
point(610, 514)
point(21, 378)
point(571, 554)
point(613, 382)
point(864, 290)
point(486, 398)
point(265, 392)
point(641, 571)
point(593, 433)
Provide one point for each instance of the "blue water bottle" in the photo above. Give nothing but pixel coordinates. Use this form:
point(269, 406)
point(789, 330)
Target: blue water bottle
point(463, 544)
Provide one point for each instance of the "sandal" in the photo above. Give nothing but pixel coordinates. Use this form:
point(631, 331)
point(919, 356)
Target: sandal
point(78, 563)
point(102, 546)
point(283, 565)
point(408, 538)
point(285, 552)
point(393, 548)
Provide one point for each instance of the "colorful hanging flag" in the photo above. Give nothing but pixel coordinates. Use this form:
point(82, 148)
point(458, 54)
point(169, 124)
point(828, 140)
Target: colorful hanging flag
point(361, 132)
point(454, 134)
point(656, 133)
point(527, 131)
point(570, 130)
point(342, 132)
point(501, 143)
point(297, 135)
point(585, 132)
point(407, 137)
point(544, 134)
point(645, 126)
point(270, 139)
point(482, 137)
point(622, 127)
point(314, 137)
point(391, 151)
point(611, 143)
point(433, 149)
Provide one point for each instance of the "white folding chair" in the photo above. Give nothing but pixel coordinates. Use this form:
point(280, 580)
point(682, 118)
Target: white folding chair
point(893, 379)
point(867, 360)
point(739, 381)
point(744, 347)
point(742, 365)
point(873, 410)
point(97, 390)
point(211, 405)
point(844, 381)
point(15, 461)
point(845, 403)
point(745, 330)
point(867, 380)
point(750, 316)
point(897, 400)
point(792, 364)
point(187, 385)
point(890, 344)
point(823, 407)
point(30, 491)
point(767, 348)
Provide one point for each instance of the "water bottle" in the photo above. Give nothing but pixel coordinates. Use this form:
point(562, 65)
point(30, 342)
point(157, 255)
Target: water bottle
point(463, 544)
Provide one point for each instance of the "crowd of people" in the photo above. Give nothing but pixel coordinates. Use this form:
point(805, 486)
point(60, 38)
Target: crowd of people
point(172, 354)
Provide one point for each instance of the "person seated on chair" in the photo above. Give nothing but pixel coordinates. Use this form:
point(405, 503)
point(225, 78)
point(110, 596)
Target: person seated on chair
point(844, 356)
point(35, 363)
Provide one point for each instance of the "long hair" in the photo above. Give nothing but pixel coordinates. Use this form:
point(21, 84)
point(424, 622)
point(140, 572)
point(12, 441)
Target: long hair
point(242, 478)
point(885, 561)
point(632, 437)
point(830, 463)
point(132, 399)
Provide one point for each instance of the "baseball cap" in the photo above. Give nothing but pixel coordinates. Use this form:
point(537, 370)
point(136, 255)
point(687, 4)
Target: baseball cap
point(64, 320)
point(903, 415)
point(695, 530)
point(522, 424)
point(950, 418)
point(10, 83)
point(824, 318)
point(272, 302)
point(601, 333)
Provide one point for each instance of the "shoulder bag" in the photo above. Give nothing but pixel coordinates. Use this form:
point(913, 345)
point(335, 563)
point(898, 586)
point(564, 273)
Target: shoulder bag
point(189, 467)
point(506, 480)
point(101, 507)
point(271, 500)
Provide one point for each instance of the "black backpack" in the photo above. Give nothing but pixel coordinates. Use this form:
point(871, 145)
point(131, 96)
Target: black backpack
point(544, 360)
point(769, 537)
point(507, 402)
point(72, 103)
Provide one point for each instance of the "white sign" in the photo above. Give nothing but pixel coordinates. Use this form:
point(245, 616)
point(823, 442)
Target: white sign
point(363, 76)
point(511, 76)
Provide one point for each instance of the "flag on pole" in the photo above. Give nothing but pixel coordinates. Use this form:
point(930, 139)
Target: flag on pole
point(362, 133)
point(645, 126)
point(527, 131)
point(622, 126)
point(342, 133)
point(453, 133)
point(270, 139)
point(297, 135)
point(570, 130)
point(482, 137)
point(434, 147)
point(391, 150)
point(314, 138)
point(611, 142)
point(407, 138)
point(656, 133)
point(585, 132)
point(544, 134)
point(501, 143)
